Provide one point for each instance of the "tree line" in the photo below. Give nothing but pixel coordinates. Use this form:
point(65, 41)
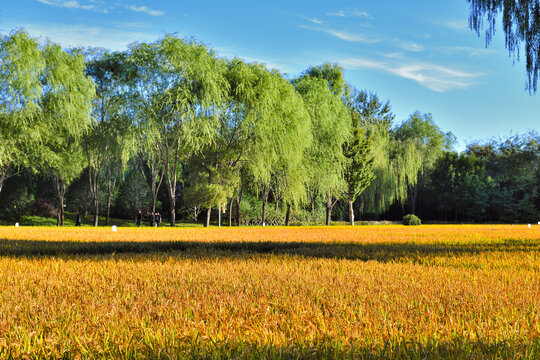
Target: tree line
point(170, 125)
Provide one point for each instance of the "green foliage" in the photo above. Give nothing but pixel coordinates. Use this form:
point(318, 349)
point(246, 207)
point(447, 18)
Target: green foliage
point(21, 69)
point(133, 195)
point(521, 26)
point(358, 169)
point(17, 199)
point(330, 130)
point(411, 219)
point(179, 88)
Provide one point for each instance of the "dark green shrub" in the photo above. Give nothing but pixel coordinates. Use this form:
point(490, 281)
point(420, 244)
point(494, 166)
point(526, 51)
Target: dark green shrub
point(411, 219)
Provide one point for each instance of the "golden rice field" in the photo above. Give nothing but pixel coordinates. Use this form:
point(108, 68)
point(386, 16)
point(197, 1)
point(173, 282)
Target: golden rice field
point(426, 292)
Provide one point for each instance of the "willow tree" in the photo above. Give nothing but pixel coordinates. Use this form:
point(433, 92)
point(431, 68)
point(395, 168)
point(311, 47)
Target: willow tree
point(285, 137)
point(108, 143)
point(21, 68)
point(66, 105)
point(358, 170)
point(376, 118)
point(521, 26)
point(180, 87)
point(330, 130)
point(422, 142)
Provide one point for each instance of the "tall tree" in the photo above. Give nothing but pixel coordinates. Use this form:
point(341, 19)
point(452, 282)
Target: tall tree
point(330, 131)
point(358, 172)
point(521, 26)
point(106, 142)
point(21, 66)
point(376, 118)
point(66, 107)
point(180, 86)
point(421, 142)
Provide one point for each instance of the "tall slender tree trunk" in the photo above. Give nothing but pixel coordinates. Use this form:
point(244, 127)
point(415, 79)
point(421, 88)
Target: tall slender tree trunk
point(96, 210)
point(172, 204)
point(208, 214)
point(288, 215)
point(230, 210)
point(60, 187)
point(107, 218)
point(414, 195)
point(239, 194)
point(329, 206)
point(2, 178)
point(351, 211)
point(93, 178)
point(264, 201)
point(111, 185)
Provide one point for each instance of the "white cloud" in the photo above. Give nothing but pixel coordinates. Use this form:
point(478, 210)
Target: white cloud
point(468, 50)
point(454, 24)
point(411, 47)
point(433, 76)
point(340, 13)
point(145, 9)
point(315, 21)
point(344, 35)
point(350, 13)
point(72, 4)
point(231, 52)
point(113, 38)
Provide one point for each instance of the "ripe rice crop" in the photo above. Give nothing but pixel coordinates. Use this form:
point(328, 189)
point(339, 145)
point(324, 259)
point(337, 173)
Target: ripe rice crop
point(307, 292)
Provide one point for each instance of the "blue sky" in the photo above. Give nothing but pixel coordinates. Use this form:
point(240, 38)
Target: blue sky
point(419, 55)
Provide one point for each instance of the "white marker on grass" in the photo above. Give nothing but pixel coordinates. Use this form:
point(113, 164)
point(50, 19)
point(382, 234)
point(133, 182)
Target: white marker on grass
point(114, 228)
point(16, 224)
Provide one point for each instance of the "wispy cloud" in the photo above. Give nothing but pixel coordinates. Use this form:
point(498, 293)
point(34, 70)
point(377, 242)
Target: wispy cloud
point(467, 50)
point(113, 38)
point(433, 76)
point(410, 47)
point(315, 20)
point(345, 35)
point(454, 24)
point(73, 4)
point(145, 9)
point(350, 13)
point(232, 52)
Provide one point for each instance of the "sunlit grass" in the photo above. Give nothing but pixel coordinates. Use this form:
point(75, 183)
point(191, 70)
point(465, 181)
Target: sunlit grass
point(381, 291)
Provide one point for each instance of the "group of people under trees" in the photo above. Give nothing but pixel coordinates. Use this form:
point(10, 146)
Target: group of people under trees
point(155, 218)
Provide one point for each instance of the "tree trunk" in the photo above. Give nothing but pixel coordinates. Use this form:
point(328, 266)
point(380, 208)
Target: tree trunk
point(264, 201)
point(2, 178)
point(172, 206)
point(96, 210)
point(351, 211)
point(93, 178)
point(239, 194)
point(329, 206)
point(276, 207)
point(208, 214)
point(230, 211)
point(414, 195)
point(288, 215)
point(107, 218)
point(111, 185)
point(60, 192)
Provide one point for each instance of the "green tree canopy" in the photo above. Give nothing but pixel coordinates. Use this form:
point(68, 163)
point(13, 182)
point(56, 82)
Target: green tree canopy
point(521, 26)
point(21, 68)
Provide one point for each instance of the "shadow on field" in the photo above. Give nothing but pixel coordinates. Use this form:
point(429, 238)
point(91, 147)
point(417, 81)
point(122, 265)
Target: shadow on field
point(432, 349)
point(357, 251)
